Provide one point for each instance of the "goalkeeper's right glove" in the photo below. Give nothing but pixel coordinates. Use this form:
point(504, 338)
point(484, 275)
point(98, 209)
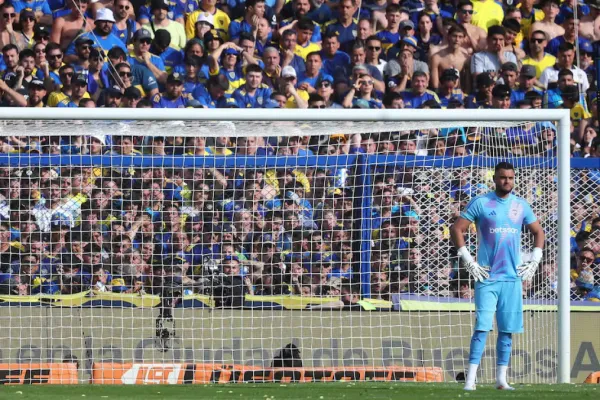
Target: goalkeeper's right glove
point(478, 272)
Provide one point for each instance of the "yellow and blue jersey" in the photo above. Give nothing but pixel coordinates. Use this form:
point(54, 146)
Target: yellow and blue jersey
point(304, 51)
point(235, 77)
point(221, 21)
point(388, 39)
point(344, 34)
point(316, 35)
point(238, 26)
point(160, 101)
point(412, 100)
point(455, 94)
point(245, 100)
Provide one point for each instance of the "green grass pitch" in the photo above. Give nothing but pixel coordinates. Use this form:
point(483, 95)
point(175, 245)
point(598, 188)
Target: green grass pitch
point(313, 391)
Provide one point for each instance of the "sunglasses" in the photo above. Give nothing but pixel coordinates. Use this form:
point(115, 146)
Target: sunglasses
point(324, 84)
point(85, 47)
point(54, 56)
point(123, 7)
point(367, 83)
point(537, 40)
point(27, 18)
point(9, 15)
point(145, 41)
point(318, 106)
point(586, 259)
point(43, 37)
point(127, 74)
point(67, 74)
point(374, 48)
point(466, 11)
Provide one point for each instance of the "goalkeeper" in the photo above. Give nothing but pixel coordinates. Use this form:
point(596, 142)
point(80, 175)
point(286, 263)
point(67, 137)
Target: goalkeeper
point(498, 272)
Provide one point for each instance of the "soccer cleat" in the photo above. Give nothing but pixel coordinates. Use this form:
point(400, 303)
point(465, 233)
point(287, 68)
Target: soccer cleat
point(505, 386)
point(470, 388)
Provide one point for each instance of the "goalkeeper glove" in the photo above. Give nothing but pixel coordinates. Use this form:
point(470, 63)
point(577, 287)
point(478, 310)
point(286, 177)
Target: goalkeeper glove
point(527, 270)
point(478, 272)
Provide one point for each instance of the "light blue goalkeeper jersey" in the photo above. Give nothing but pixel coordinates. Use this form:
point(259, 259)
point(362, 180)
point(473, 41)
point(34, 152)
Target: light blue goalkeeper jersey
point(499, 224)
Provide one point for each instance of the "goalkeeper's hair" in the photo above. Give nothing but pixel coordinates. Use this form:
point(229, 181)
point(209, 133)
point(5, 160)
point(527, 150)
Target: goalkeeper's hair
point(503, 165)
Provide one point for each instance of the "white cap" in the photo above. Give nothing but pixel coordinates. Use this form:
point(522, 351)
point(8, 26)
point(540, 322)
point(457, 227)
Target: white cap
point(104, 14)
point(288, 71)
point(100, 137)
point(206, 17)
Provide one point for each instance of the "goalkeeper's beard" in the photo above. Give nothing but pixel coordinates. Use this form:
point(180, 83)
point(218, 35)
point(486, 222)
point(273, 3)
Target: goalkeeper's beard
point(501, 192)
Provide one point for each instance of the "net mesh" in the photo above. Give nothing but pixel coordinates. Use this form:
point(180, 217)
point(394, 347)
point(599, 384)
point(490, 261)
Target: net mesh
point(127, 243)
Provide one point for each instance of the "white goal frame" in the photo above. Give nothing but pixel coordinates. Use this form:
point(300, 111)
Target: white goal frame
point(342, 115)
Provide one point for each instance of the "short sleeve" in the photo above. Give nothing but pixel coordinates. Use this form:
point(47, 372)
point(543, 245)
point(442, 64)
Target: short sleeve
point(149, 81)
point(234, 30)
point(528, 215)
point(476, 64)
point(472, 211)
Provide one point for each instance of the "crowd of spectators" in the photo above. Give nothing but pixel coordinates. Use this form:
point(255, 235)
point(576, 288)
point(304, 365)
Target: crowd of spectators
point(282, 231)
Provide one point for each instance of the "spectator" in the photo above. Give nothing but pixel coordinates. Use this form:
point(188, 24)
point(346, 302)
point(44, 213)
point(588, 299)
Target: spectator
point(391, 34)
point(142, 40)
point(255, 9)
point(7, 34)
point(335, 62)
point(161, 20)
point(66, 28)
point(161, 46)
point(27, 22)
point(496, 55)
point(550, 9)
point(289, 42)
point(475, 35)
point(362, 94)
point(571, 26)
point(254, 93)
point(418, 94)
point(565, 60)
point(537, 56)
point(305, 29)
point(221, 20)
point(102, 35)
point(124, 26)
point(173, 96)
point(449, 89)
point(78, 92)
point(294, 98)
point(344, 26)
point(453, 57)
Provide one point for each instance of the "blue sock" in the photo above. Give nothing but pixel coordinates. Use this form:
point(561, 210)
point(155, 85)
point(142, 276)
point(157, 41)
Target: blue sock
point(503, 348)
point(477, 346)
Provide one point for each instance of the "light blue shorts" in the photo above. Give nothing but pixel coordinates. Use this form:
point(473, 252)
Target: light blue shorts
point(503, 298)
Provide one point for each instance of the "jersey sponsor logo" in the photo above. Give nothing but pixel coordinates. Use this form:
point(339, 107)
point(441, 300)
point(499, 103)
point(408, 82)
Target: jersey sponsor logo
point(504, 230)
point(492, 214)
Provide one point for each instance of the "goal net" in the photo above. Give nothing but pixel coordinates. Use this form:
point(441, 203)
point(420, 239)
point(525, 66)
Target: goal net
point(243, 251)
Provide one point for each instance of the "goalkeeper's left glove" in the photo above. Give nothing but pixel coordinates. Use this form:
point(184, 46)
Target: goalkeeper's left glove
point(527, 270)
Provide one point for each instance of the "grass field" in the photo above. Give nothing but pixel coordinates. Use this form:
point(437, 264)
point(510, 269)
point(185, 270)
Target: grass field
point(318, 391)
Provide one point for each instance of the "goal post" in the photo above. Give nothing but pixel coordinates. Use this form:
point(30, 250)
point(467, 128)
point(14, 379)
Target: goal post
point(215, 123)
